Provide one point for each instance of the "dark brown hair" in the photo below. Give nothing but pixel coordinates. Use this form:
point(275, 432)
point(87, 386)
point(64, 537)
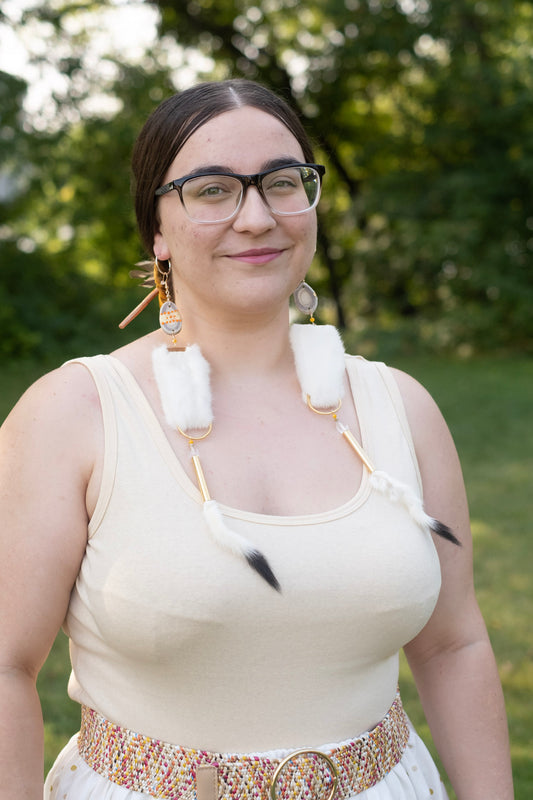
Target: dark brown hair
point(177, 118)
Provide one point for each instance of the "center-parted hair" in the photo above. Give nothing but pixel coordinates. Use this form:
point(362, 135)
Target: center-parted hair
point(175, 120)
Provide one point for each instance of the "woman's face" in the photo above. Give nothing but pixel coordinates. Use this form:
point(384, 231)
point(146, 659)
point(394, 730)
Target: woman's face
point(251, 263)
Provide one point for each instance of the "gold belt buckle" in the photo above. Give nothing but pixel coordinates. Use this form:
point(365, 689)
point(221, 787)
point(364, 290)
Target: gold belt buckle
point(305, 751)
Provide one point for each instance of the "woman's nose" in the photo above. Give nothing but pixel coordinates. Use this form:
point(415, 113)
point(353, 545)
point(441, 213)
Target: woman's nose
point(254, 213)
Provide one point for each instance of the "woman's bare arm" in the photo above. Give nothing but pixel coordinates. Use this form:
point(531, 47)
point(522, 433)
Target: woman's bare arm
point(452, 659)
point(48, 446)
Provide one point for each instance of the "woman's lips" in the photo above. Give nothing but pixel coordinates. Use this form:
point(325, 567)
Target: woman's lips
point(260, 255)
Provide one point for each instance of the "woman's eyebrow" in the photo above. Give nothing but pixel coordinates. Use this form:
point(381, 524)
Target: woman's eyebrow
point(216, 169)
point(210, 168)
point(281, 161)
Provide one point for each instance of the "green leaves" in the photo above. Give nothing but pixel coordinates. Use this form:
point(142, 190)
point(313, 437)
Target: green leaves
point(423, 114)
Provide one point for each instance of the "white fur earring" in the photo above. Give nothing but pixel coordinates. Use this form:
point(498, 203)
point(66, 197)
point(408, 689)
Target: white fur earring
point(182, 376)
point(319, 359)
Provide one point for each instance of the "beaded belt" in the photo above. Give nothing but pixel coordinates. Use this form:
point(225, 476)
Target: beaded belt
point(168, 771)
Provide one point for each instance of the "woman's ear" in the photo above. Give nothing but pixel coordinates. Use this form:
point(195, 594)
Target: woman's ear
point(160, 247)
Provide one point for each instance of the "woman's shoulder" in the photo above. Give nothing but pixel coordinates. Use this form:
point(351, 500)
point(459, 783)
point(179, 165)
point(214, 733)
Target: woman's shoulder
point(60, 407)
point(423, 414)
point(70, 391)
point(68, 385)
point(420, 406)
point(414, 394)
point(431, 435)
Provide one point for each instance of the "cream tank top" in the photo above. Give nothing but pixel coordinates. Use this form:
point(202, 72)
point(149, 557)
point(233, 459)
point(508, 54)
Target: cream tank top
point(174, 638)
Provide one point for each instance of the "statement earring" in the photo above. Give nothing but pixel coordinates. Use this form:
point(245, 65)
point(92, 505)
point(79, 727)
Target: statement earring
point(147, 274)
point(169, 316)
point(305, 299)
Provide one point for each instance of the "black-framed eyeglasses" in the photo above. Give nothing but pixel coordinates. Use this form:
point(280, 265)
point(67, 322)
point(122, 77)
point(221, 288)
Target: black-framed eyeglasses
point(209, 197)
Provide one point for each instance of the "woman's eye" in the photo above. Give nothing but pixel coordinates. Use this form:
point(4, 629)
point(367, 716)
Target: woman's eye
point(212, 191)
point(283, 182)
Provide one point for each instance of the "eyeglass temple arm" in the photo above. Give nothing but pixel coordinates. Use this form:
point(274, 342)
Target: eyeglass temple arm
point(168, 187)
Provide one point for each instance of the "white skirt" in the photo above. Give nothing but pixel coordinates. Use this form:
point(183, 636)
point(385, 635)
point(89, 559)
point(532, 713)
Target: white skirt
point(415, 777)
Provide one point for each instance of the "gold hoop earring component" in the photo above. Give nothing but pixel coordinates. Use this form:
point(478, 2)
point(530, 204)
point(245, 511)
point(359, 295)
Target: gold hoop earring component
point(305, 299)
point(328, 412)
point(170, 318)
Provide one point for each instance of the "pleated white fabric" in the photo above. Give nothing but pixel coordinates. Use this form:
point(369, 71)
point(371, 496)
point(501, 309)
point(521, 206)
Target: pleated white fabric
point(415, 777)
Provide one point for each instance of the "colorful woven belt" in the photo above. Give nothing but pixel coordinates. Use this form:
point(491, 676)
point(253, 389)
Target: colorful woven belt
point(164, 770)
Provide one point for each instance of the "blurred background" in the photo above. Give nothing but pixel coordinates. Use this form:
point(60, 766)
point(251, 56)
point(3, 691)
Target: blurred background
point(422, 112)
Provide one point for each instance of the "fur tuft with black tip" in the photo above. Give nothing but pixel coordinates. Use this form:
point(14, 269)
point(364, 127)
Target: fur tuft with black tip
point(234, 543)
point(258, 562)
point(441, 529)
point(399, 492)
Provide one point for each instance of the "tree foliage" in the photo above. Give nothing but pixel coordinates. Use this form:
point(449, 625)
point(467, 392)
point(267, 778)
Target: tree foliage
point(422, 112)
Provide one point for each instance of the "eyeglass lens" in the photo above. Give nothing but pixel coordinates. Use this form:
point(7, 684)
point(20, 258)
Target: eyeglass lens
point(214, 198)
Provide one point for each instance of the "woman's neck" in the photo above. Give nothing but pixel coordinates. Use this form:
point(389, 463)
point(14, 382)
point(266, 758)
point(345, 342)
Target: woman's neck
point(242, 349)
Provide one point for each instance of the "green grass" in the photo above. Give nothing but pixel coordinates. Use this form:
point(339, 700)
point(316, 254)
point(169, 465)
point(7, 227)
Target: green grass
point(489, 407)
point(487, 403)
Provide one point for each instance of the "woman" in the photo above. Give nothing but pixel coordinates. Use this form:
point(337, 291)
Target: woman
point(227, 518)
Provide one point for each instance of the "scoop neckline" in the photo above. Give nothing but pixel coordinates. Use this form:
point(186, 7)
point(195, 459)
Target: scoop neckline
point(176, 468)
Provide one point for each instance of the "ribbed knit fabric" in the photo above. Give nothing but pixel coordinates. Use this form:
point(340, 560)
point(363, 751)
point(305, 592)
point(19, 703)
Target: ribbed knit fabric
point(179, 640)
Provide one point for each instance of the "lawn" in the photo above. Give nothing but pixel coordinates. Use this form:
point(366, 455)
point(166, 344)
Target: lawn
point(487, 403)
